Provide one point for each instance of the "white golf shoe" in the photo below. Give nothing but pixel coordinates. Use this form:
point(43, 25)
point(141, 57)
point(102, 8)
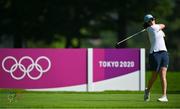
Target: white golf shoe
point(163, 99)
point(146, 95)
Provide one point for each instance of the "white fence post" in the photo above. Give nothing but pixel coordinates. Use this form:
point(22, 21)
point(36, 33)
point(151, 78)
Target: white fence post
point(90, 70)
point(142, 70)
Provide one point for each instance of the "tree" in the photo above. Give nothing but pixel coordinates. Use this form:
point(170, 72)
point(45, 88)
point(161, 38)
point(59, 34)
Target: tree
point(41, 19)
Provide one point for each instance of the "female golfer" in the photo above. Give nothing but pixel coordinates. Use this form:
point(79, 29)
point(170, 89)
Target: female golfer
point(158, 56)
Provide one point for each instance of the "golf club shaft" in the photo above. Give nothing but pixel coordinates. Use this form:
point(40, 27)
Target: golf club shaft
point(131, 36)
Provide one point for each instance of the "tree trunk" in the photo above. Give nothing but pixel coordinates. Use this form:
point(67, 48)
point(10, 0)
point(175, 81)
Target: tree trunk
point(121, 30)
point(68, 42)
point(17, 41)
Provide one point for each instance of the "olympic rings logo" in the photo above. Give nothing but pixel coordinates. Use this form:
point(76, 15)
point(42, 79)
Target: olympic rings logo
point(26, 70)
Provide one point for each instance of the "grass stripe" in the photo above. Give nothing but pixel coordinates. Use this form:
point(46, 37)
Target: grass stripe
point(94, 100)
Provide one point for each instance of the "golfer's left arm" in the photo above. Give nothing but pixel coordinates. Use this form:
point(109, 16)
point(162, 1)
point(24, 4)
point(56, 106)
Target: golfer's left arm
point(162, 26)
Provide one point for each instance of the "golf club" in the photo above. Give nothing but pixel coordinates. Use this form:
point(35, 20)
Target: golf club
point(130, 36)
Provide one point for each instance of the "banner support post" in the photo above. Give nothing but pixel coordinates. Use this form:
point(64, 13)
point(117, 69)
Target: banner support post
point(90, 70)
point(142, 70)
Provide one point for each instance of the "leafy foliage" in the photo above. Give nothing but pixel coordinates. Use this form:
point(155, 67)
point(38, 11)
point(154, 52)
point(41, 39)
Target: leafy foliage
point(40, 23)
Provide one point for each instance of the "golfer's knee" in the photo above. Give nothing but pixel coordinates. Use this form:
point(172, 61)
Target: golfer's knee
point(163, 69)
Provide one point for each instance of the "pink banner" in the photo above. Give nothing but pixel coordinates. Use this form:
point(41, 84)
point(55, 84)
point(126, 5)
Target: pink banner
point(42, 68)
point(111, 63)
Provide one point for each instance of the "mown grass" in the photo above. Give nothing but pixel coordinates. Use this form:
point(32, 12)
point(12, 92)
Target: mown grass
point(107, 99)
point(173, 80)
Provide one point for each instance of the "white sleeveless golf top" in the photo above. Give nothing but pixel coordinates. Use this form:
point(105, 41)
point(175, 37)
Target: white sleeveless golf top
point(156, 37)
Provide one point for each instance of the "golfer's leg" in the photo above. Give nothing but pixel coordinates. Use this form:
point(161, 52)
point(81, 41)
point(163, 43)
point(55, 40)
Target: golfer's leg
point(163, 80)
point(152, 80)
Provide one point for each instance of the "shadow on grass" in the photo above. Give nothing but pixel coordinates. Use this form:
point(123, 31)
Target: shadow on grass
point(114, 100)
point(173, 92)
